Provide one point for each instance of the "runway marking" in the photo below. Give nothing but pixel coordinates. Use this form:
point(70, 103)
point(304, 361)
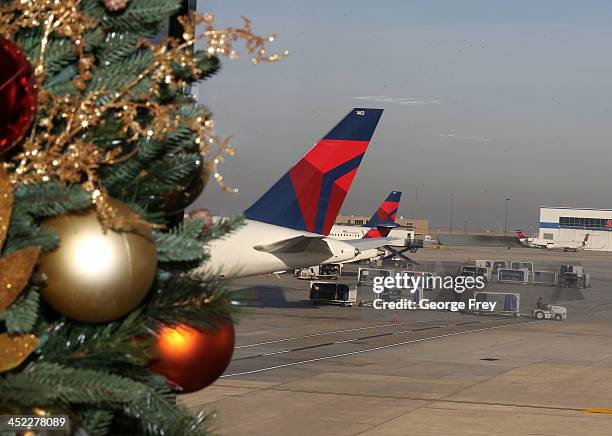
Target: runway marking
point(276, 352)
point(598, 410)
point(367, 350)
point(594, 313)
point(374, 336)
point(341, 331)
point(596, 306)
point(361, 338)
point(428, 328)
point(586, 300)
point(469, 322)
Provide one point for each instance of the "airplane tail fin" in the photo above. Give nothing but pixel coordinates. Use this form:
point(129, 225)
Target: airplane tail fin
point(386, 211)
point(380, 231)
point(383, 220)
point(520, 234)
point(309, 196)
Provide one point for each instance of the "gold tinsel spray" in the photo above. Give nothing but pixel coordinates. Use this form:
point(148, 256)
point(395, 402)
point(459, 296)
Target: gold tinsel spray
point(66, 154)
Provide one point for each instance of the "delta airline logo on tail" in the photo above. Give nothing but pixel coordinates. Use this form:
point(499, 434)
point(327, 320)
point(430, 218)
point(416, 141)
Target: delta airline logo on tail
point(383, 220)
point(386, 211)
point(310, 195)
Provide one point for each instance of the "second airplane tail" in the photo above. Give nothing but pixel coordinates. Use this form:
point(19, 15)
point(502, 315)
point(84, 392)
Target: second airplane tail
point(387, 210)
point(383, 220)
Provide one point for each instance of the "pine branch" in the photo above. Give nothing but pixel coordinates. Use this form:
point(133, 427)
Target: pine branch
point(60, 53)
point(118, 46)
point(44, 384)
point(224, 227)
point(22, 315)
point(116, 76)
point(182, 299)
point(61, 83)
point(111, 346)
point(140, 16)
point(181, 243)
point(96, 421)
point(24, 232)
point(173, 168)
point(41, 200)
point(114, 180)
point(50, 199)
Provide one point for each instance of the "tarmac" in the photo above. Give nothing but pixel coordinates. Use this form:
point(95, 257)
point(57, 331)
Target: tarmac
point(301, 369)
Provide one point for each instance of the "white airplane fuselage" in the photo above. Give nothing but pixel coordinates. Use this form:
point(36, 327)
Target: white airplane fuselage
point(553, 245)
point(342, 232)
point(535, 242)
point(235, 255)
point(566, 246)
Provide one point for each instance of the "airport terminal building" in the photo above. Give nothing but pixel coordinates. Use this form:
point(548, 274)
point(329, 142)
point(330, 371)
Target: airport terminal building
point(570, 224)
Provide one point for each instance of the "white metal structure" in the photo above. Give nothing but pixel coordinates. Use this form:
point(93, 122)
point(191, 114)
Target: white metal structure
point(562, 224)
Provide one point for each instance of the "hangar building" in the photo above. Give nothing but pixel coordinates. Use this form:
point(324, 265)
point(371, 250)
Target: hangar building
point(570, 224)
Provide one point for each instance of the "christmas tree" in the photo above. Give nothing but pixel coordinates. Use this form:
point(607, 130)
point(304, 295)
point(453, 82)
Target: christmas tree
point(101, 149)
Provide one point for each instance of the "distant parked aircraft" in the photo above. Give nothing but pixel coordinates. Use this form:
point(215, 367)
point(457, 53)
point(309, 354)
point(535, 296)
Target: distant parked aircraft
point(552, 245)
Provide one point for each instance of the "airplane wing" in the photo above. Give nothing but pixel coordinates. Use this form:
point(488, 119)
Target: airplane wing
point(370, 243)
point(297, 244)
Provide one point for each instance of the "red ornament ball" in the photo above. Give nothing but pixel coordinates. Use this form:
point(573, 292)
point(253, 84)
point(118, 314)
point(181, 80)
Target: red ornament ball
point(192, 359)
point(17, 95)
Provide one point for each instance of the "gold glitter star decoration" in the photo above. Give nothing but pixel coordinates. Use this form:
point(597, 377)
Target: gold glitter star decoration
point(62, 141)
point(15, 271)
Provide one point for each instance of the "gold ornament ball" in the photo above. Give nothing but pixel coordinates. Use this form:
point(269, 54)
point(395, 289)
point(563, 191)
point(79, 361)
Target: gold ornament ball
point(94, 276)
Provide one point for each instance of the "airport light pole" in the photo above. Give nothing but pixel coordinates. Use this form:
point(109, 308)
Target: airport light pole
point(506, 219)
point(451, 213)
point(416, 201)
point(465, 227)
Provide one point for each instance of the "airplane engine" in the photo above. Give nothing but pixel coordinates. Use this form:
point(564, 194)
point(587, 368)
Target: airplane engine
point(341, 251)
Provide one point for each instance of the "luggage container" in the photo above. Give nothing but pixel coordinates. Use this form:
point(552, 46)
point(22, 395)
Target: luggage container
point(509, 275)
point(366, 276)
point(332, 293)
point(574, 276)
point(426, 282)
point(475, 271)
point(497, 264)
point(484, 263)
point(544, 277)
point(326, 272)
point(519, 265)
point(508, 303)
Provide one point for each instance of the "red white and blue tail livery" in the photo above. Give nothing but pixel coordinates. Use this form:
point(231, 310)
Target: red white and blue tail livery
point(383, 220)
point(309, 196)
point(287, 227)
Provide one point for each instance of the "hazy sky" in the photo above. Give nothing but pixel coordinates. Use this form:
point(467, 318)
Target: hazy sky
point(486, 99)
